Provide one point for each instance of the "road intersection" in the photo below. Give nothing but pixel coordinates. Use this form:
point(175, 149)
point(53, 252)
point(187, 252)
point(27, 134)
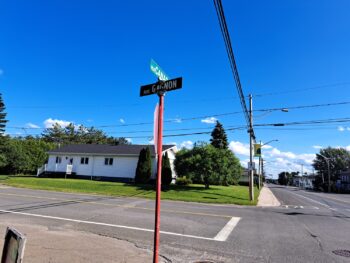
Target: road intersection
point(307, 227)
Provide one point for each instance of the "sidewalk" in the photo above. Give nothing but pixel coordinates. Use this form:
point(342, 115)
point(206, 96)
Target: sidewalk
point(56, 244)
point(267, 198)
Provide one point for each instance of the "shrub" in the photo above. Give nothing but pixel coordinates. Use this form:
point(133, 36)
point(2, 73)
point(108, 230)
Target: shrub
point(144, 167)
point(167, 175)
point(183, 181)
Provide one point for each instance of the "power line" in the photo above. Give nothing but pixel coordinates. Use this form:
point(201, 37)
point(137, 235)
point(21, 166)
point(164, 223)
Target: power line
point(177, 120)
point(242, 127)
point(225, 33)
point(301, 90)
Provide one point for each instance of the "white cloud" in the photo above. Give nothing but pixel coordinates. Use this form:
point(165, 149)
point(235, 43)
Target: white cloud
point(266, 146)
point(244, 163)
point(31, 125)
point(347, 148)
point(122, 120)
point(341, 128)
point(171, 143)
point(317, 147)
point(239, 148)
point(129, 140)
point(277, 153)
point(50, 122)
point(276, 160)
point(186, 144)
point(209, 120)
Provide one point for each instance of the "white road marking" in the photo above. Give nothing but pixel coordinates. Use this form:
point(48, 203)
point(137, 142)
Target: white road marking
point(331, 197)
point(227, 229)
point(311, 200)
point(221, 236)
point(301, 207)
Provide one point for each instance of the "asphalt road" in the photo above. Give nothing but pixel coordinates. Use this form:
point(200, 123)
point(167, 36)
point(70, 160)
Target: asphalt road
point(307, 226)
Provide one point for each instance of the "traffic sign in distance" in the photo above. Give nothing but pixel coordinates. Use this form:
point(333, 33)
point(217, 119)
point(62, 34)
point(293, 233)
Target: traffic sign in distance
point(154, 88)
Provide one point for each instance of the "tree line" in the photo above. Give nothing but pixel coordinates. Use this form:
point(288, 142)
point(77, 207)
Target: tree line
point(24, 154)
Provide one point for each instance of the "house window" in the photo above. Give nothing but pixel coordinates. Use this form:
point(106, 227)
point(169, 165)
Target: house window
point(84, 160)
point(58, 159)
point(108, 161)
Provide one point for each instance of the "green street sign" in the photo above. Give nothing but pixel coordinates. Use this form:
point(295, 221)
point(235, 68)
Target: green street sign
point(158, 71)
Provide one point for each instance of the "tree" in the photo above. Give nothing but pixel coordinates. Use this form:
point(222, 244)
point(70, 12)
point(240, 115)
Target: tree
point(3, 120)
point(72, 134)
point(283, 178)
point(207, 165)
point(167, 175)
point(339, 160)
point(24, 155)
point(219, 137)
point(144, 167)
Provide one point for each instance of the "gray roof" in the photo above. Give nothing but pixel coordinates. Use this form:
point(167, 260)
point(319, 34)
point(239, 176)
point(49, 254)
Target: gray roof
point(124, 149)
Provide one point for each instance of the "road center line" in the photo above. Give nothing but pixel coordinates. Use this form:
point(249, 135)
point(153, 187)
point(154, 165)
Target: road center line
point(109, 225)
point(331, 197)
point(227, 229)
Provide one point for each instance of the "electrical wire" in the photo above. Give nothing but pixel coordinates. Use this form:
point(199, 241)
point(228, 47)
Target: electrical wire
point(231, 57)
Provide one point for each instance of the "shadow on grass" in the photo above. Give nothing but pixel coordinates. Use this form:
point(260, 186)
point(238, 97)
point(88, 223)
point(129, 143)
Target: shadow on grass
point(145, 188)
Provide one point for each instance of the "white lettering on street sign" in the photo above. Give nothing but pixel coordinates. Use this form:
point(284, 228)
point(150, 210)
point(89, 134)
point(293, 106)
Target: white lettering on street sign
point(155, 68)
point(154, 88)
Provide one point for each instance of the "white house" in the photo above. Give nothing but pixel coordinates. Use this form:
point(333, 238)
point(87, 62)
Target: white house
point(107, 162)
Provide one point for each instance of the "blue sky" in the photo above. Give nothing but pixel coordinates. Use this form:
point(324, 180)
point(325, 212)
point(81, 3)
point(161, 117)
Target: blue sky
point(84, 61)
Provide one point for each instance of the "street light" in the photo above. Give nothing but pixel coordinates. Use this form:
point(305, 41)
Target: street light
point(261, 164)
point(329, 171)
point(275, 140)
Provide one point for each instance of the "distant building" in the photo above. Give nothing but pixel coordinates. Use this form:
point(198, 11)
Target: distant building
point(106, 162)
point(244, 179)
point(304, 182)
point(343, 183)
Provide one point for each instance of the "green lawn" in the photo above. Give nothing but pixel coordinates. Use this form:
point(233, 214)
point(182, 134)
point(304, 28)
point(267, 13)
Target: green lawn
point(193, 193)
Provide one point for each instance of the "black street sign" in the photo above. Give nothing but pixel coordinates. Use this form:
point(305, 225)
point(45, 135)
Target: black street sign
point(168, 85)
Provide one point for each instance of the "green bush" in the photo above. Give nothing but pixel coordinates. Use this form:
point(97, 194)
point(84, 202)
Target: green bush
point(167, 175)
point(183, 181)
point(208, 165)
point(144, 167)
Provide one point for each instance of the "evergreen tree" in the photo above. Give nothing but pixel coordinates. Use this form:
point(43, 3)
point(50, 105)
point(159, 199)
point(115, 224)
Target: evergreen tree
point(219, 138)
point(144, 167)
point(167, 175)
point(3, 120)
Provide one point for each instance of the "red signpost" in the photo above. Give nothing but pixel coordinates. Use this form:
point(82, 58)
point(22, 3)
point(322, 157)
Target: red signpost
point(159, 176)
point(159, 88)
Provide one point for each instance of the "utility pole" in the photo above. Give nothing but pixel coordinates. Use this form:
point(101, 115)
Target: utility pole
point(262, 167)
point(251, 170)
point(329, 171)
point(259, 171)
point(329, 176)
